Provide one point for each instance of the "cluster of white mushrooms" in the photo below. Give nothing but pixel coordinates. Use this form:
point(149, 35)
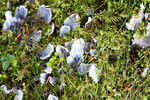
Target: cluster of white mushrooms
point(76, 53)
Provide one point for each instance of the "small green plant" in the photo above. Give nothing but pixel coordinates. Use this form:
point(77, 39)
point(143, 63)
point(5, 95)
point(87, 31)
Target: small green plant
point(7, 61)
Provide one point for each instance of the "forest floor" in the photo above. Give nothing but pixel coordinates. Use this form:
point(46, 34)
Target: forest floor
point(91, 55)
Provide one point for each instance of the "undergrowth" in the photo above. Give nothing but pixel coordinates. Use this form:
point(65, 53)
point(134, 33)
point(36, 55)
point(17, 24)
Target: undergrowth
point(119, 70)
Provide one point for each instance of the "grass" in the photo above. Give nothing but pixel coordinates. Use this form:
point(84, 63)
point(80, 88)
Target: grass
point(120, 73)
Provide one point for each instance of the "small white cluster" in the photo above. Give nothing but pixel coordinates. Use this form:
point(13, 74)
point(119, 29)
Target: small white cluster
point(63, 30)
point(89, 21)
point(70, 24)
point(93, 73)
point(52, 29)
point(140, 41)
point(76, 52)
point(136, 20)
point(93, 52)
point(45, 13)
point(36, 35)
point(43, 76)
point(62, 51)
point(21, 12)
point(51, 97)
point(12, 22)
point(19, 93)
point(91, 69)
point(72, 21)
point(46, 52)
point(145, 72)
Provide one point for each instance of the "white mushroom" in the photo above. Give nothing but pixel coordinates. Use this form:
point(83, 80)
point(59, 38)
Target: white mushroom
point(21, 12)
point(52, 80)
point(92, 52)
point(61, 51)
point(51, 97)
point(82, 68)
point(76, 53)
point(89, 21)
point(63, 30)
point(94, 73)
point(48, 70)
point(45, 13)
point(68, 45)
point(145, 72)
point(140, 41)
point(136, 20)
point(52, 29)
point(46, 52)
point(19, 95)
point(61, 86)
point(72, 21)
point(6, 91)
point(43, 77)
point(37, 35)
point(10, 23)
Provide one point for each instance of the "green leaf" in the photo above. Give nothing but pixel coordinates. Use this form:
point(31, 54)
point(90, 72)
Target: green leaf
point(2, 58)
point(14, 63)
point(5, 65)
point(11, 57)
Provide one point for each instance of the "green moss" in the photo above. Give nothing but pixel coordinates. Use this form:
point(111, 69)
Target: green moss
point(109, 29)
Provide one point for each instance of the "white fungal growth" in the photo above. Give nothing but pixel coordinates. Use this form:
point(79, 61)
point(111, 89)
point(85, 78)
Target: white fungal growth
point(45, 13)
point(46, 52)
point(92, 52)
point(21, 12)
point(6, 25)
point(70, 60)
point(52, 29)
point(93, 73)
point(136, 20)
point(89, 21)
point(10, 22)
point(8, 15)
point(19, 95)
point(141, 42)
point(61, 86)
point(43, 77)
point(51, 97)
point(52, 80)
point(62, 51)
point(146, 15)
point(77, 48)
point(72, 21)
point(76, 53)
point(145, 72)
point(148, 30)
point(7, 5)
point(37, 35)
point(63, 30)
point(6, 91)
point(68, 45)
point(48, 70)
point(82, 68)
